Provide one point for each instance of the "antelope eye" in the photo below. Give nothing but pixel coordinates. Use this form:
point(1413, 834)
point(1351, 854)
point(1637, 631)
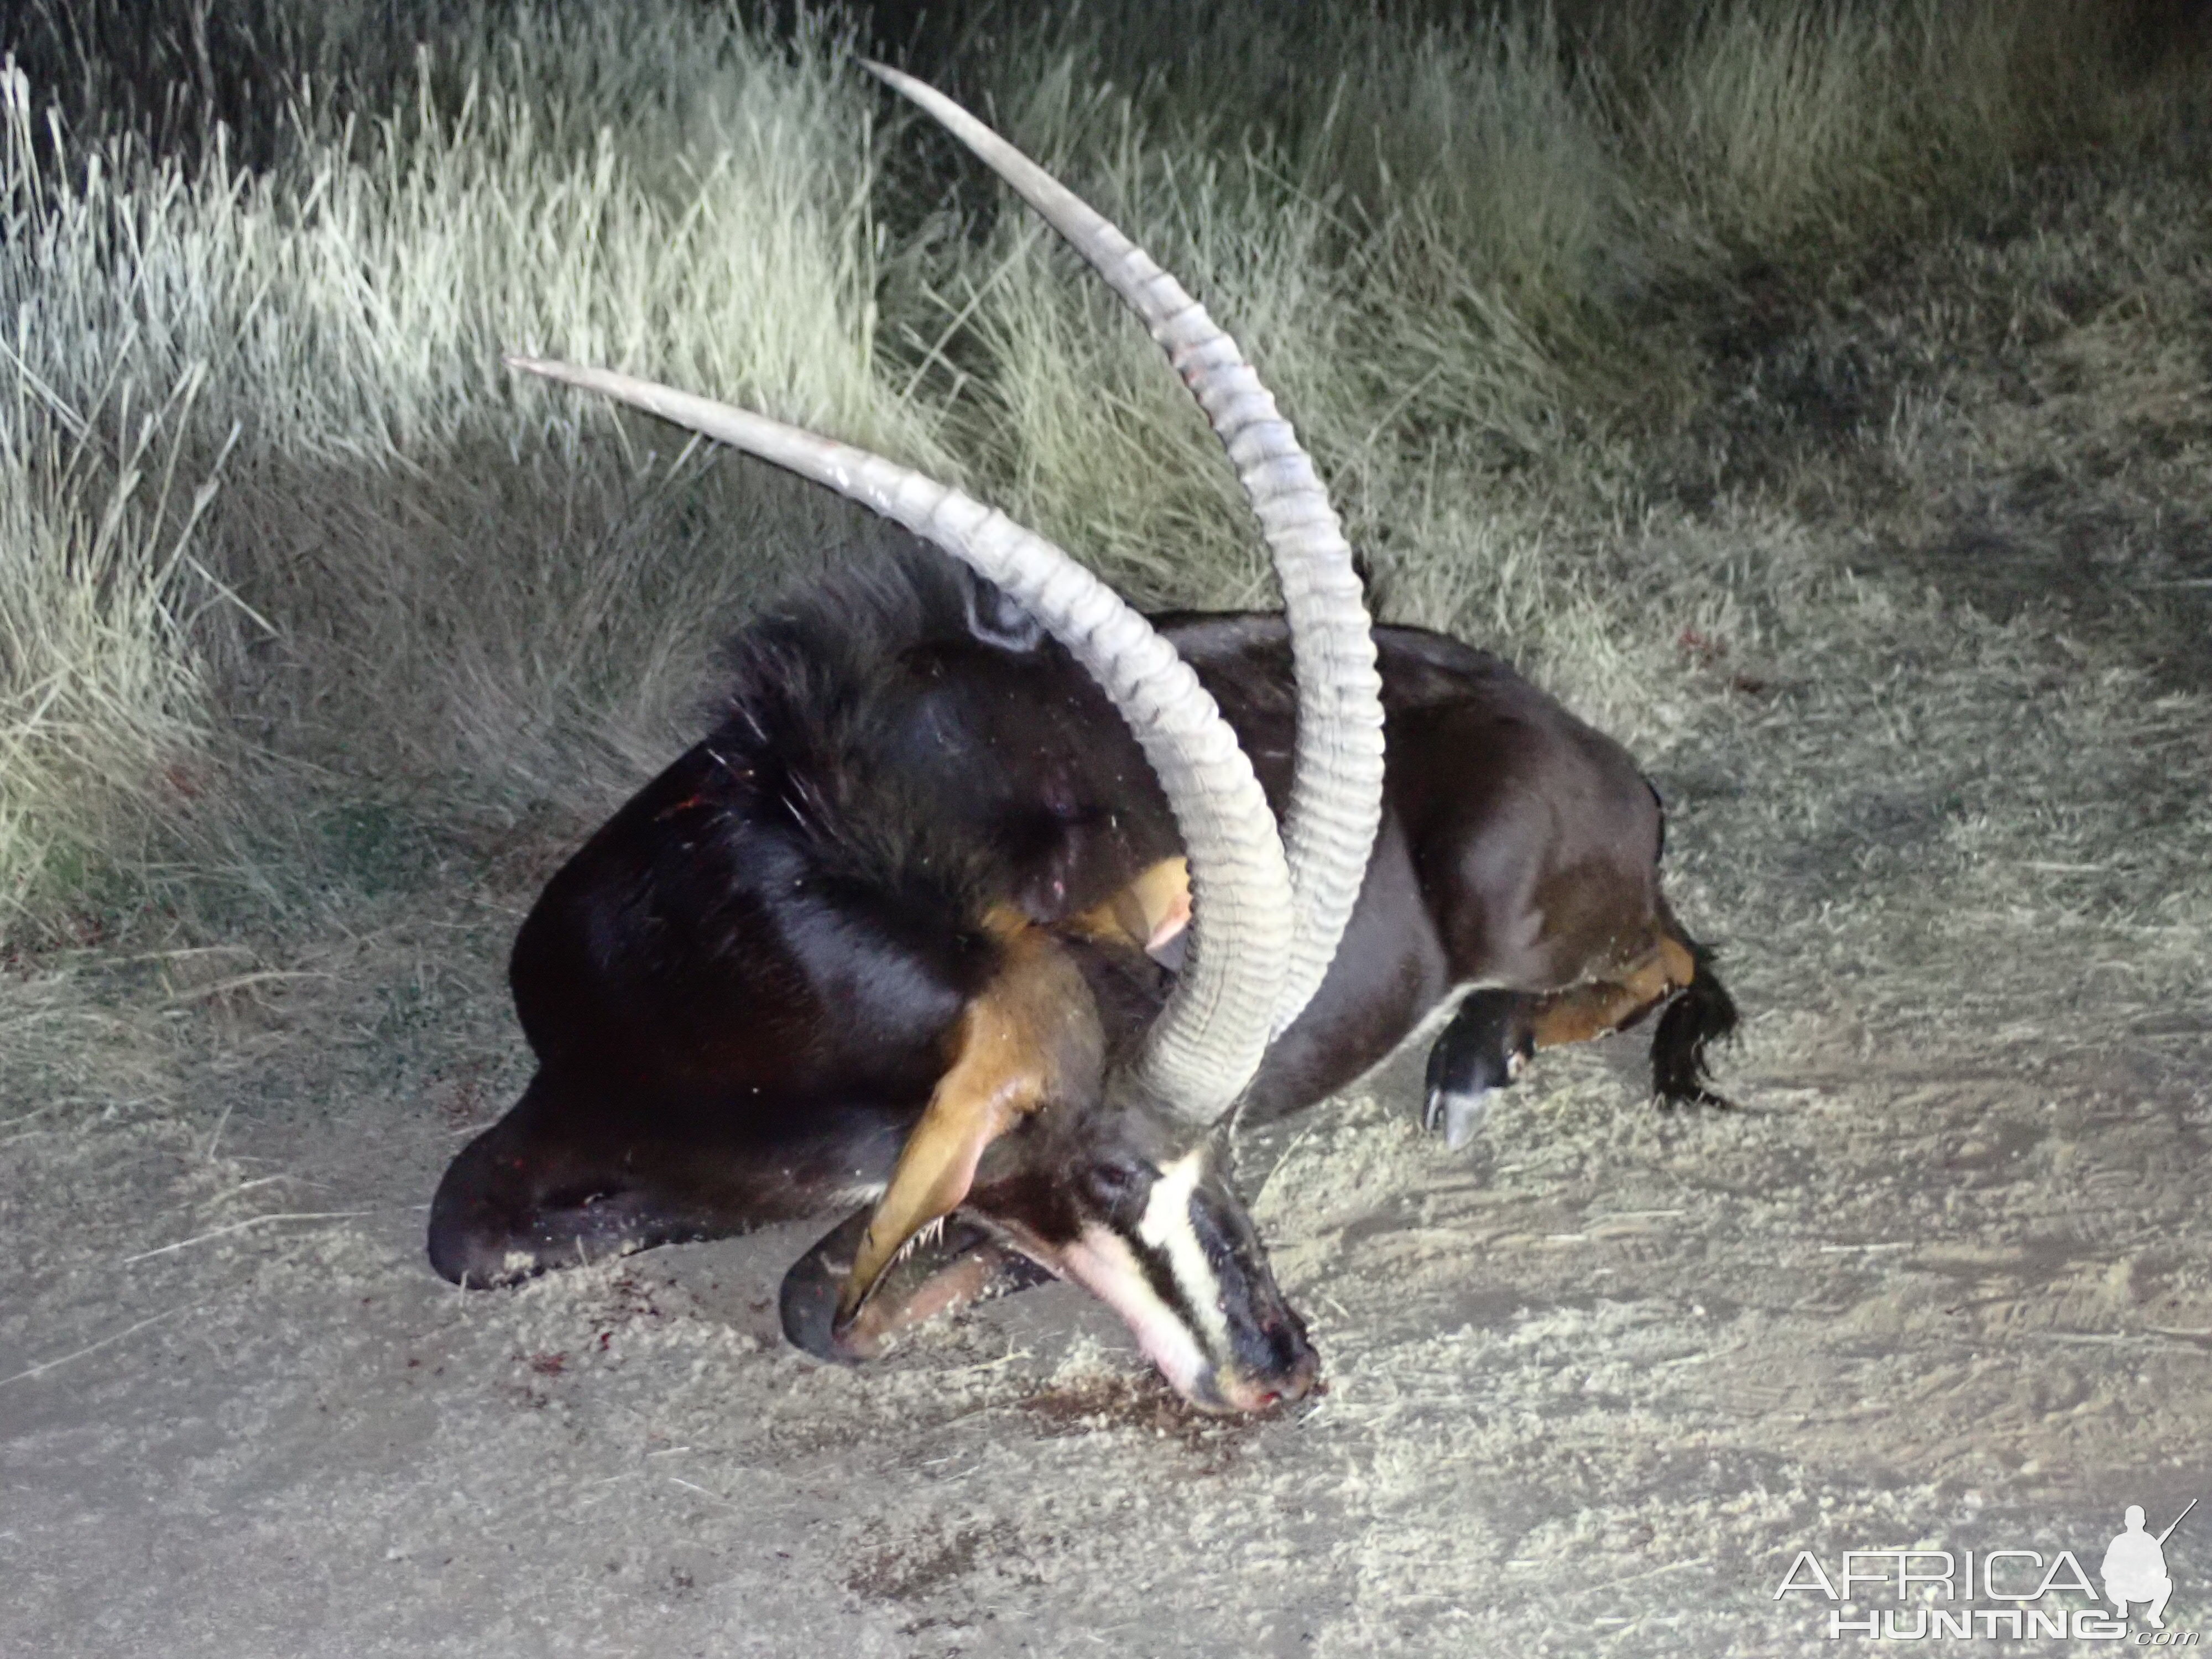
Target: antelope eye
point(1115, 1184)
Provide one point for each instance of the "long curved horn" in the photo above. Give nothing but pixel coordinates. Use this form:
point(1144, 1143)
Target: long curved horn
point(1208, 1041)
point(1336, 792)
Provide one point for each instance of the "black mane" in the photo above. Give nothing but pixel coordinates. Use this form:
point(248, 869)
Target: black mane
point(826, 696)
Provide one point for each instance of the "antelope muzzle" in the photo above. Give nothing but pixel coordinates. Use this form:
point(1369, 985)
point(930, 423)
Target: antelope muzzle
point(1171, 1250)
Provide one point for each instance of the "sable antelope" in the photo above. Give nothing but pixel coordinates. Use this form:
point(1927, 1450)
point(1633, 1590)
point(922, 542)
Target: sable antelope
point(913, 928)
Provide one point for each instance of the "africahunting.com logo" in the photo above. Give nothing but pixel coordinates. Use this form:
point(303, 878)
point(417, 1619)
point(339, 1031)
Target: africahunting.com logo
point(2009, 1593)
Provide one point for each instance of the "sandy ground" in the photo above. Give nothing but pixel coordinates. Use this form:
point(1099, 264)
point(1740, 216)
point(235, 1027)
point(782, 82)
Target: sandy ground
point(1945, 1279)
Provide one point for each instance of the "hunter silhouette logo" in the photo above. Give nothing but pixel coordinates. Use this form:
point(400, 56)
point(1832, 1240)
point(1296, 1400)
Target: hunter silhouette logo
point(2013, 1594)
point(2135, 1566)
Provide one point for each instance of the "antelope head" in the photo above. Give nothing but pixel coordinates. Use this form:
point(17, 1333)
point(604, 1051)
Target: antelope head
point(1079, 1135)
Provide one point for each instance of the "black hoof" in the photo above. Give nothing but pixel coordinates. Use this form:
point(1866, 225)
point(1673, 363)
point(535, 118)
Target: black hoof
point(808, 1301)
point(956, 1266)
point(1457, 1114)
point(1480, 1052)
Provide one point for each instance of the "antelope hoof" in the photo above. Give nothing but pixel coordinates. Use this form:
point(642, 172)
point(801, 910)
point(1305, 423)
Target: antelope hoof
point(1482, 1050)
point(1460, 1094)
point(808, 1300)
point(958, 1267)
point(1459, 1113)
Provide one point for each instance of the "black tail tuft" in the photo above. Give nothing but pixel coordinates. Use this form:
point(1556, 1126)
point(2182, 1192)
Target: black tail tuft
point(1701, 1014)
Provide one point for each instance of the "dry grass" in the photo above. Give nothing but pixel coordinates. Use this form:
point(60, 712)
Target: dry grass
point(103, 692)
point(422, 572)
point(285, 547)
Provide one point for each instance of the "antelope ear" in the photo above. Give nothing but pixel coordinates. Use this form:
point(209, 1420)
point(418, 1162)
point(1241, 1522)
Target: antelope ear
point(1022, 1041)
point(1152, 912)
point(1163, 892)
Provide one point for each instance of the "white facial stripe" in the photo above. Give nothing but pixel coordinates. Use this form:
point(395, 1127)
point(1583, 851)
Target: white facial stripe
point(1100, 1262)
point(1166, 1227)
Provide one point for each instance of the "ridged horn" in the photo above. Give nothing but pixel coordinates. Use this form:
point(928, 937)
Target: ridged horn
point(1208, 1041)
point(1336, 792)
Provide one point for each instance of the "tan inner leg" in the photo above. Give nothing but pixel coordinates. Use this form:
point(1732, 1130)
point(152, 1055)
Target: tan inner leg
point(1583, 1011)
point(1029, 1036)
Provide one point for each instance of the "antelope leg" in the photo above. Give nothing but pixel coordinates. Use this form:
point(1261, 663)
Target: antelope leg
point(956, 1266)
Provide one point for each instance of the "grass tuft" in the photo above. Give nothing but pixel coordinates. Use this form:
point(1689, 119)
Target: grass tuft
point(280, 537)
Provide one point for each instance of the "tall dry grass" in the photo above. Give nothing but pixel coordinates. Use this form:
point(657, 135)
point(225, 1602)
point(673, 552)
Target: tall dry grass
point(422, 570)
point(287, 279)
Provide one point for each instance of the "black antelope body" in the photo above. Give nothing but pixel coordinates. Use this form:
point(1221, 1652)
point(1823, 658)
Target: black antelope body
point(973, 910)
